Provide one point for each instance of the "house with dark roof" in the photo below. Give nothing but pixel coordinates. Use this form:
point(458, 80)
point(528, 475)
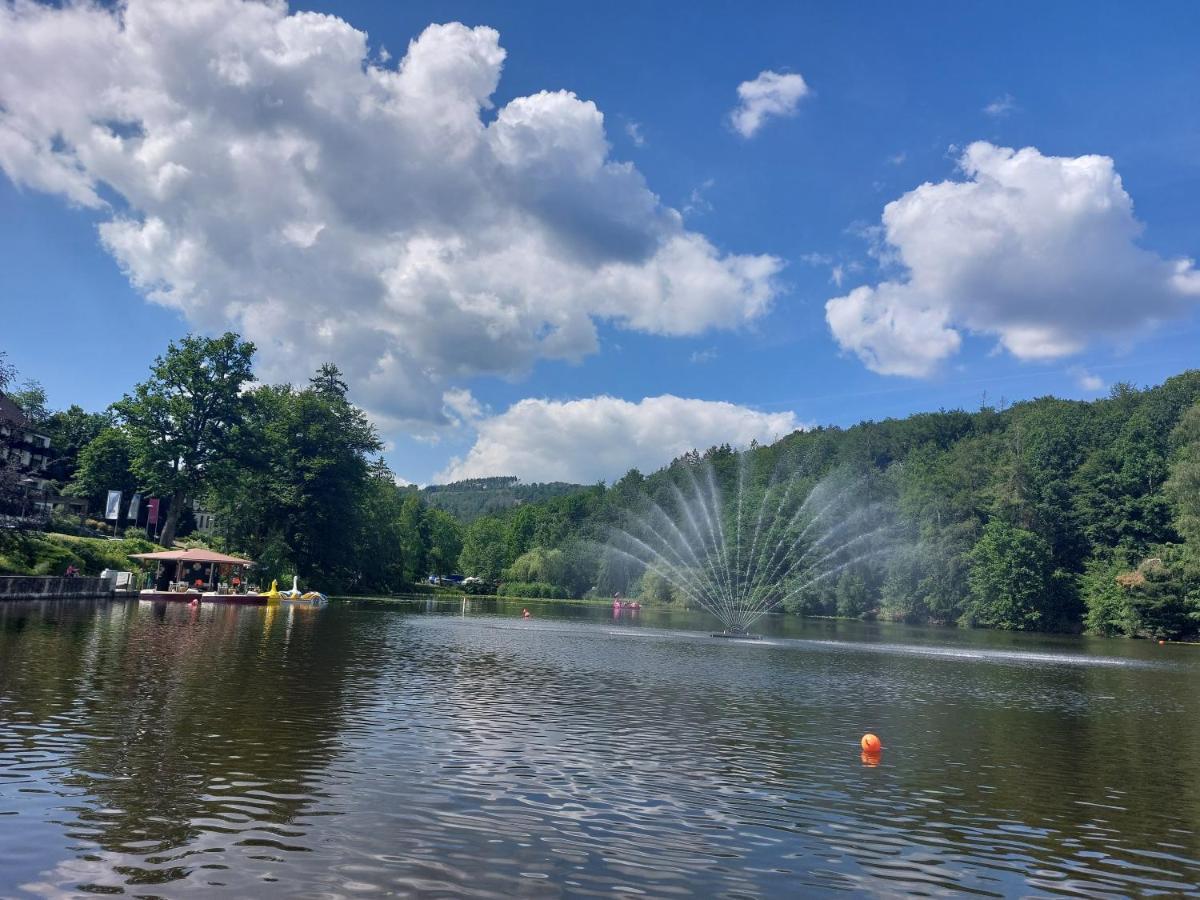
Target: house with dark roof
point(23, 447)
point(24, 457)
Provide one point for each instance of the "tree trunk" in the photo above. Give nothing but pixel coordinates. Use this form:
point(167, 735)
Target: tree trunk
point(173, 513)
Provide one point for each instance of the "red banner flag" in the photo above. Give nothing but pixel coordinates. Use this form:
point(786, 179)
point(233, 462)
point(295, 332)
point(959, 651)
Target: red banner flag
point(152, 511)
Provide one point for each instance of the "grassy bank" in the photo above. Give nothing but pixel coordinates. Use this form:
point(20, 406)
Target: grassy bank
point(40, 553)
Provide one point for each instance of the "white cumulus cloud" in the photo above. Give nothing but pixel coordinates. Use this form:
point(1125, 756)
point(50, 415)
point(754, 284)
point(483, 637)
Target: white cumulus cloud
point(1039, 251)
point(269, 171)
point(770, 95)
point(596, 438)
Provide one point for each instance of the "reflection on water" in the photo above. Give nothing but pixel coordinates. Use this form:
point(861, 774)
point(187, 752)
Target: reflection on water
point(160, 750)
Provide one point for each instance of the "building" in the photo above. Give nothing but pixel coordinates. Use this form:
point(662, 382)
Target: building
point(25, 456)
point(206, 523)
point(23, 449)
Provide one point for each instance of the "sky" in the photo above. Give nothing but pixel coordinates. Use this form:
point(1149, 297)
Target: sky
point(560, 241)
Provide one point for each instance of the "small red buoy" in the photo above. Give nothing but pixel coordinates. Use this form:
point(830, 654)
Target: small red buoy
point(871, 743)
point(1161, 642)
point(526, 614)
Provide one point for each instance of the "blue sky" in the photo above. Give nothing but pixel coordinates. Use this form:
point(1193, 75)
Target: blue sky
point(1069, 299)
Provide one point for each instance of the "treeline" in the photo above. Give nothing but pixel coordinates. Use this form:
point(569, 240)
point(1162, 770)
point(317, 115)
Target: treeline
point(291, 474)
point(471, 498)
point(1050, 515)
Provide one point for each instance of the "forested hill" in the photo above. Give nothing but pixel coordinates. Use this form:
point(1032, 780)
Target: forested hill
point(1048, 515)
point(474, 497)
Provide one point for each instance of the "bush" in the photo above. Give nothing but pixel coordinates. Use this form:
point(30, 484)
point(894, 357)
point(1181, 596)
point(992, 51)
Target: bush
point(538, 590)
point(478, 588)
point(66, 524)
point(35, 553)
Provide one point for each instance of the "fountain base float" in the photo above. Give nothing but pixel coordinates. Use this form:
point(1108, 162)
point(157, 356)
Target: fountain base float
point(737, 635)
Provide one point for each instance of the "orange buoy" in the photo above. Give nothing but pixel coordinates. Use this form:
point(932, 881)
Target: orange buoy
point(871, 759)
point(1161, 642)
point(526, 614)
point(871, 743)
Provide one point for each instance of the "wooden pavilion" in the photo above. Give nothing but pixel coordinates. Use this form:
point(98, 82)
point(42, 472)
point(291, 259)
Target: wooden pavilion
point(188, 574)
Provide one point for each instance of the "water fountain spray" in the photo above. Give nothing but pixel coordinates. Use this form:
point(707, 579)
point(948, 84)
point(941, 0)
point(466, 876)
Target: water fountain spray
point(743, 550)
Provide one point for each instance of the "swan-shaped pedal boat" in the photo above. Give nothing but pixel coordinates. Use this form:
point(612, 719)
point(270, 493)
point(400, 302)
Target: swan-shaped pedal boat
point(294, 596)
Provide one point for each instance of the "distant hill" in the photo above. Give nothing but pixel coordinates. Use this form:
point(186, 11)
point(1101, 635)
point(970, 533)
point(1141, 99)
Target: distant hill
point(468, 500)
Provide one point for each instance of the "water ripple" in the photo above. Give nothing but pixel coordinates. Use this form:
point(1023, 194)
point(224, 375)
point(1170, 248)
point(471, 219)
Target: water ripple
point(360, 750)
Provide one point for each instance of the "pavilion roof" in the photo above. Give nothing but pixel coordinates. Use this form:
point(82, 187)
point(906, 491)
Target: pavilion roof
point(197, 555)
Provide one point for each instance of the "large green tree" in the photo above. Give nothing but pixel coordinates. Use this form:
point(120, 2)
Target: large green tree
point(1010, 578)
point(104, 465)
point(298, 488)
point(70, 431)
point(181, 419)
point(484, 549)
point(445, 541)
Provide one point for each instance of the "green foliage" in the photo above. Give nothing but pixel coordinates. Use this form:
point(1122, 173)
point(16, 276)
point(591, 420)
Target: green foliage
point(31, 397)
point(1049, 515)
point(484, 553)
point(8, 372)
point(468, 500)
point(34, 553)
point(1108, 600)
point(328, 382)
point(105, 463)
point(70, 431)
point(532, 589)
point(535, 565)
point(1183, 485)
point(296, 483)
point(853, 598)
point(445, 541)
point(181, 421)
point(1010, 579)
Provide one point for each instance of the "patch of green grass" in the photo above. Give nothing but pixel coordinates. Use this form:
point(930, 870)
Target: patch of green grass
point(39, 553)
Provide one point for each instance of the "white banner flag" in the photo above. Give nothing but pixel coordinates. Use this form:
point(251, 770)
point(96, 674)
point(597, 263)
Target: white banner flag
point(112, 509)
point(134, 505)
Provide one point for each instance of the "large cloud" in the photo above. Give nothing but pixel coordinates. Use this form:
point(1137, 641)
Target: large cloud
point(257, 168)
point(603, 437)
point(1039, 251)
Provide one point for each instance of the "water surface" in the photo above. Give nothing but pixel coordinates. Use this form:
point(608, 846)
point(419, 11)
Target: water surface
point(372, 748)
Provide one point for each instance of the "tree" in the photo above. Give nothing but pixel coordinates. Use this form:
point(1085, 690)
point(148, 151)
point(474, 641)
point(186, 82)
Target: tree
point(445, 541)
point(1183, 485)
point(104, 465)
point(329, 382)
point(1010, 578)
point(853, 599)
point(1110, 610)
point(483, 551)
point(296, 479)
point(382, 550)
point(181, 419)
point(31, 397)
point(70, 431)
point(8, 372)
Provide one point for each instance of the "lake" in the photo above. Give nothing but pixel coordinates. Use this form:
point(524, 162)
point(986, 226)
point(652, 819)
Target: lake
point(438, 748)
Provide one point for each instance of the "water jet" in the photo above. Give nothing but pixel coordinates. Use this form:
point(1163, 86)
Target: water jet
point(739, 548)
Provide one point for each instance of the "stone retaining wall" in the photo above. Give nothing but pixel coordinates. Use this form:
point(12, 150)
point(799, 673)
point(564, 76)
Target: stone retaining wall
point(47, 587)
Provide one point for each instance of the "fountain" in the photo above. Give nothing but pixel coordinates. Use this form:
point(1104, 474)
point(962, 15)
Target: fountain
point(743, 550)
